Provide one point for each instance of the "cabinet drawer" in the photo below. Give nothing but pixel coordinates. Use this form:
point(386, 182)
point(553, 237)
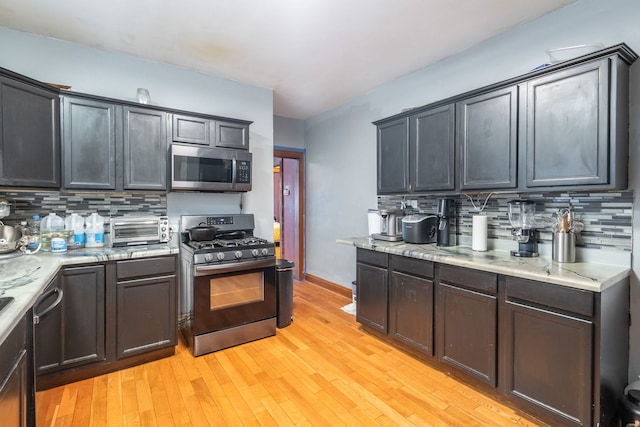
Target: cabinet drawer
point(413, 266)
point(372, 257)
point(145, 267)
point(468, 278)
point(549, 295)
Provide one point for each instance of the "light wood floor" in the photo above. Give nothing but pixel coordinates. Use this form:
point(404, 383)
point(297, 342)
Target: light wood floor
point(322, 370)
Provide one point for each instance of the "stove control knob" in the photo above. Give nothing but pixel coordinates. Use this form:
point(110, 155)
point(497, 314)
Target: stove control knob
point(220, 256)
point(265, 251)
point(238, 254)
point(208, 257)
point(255, 252)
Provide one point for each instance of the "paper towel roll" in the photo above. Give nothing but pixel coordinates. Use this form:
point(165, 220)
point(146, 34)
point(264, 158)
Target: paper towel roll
point(479, 233)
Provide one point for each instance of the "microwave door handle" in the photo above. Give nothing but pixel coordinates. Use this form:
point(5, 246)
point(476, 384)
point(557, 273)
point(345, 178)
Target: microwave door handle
point(234, 172)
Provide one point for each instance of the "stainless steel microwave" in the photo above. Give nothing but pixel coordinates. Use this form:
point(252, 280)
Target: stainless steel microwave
point(210, 169)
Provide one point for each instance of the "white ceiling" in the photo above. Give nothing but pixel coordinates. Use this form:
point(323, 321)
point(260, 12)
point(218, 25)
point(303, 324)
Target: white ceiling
point(314, 54)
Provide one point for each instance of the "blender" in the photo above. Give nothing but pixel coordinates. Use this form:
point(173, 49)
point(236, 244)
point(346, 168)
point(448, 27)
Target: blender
point(522, 219)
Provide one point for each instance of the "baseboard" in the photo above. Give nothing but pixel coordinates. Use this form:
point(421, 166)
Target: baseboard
point(333, 287)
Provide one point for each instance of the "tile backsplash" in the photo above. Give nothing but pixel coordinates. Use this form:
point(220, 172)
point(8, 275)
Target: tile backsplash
point(607, 216)
point(25, 204)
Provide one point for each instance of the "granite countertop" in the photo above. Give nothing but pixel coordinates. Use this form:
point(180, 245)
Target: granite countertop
point(588, 276)
point(25, 277)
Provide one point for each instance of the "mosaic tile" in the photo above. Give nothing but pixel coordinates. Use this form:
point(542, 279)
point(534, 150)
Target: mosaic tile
point(607, 216)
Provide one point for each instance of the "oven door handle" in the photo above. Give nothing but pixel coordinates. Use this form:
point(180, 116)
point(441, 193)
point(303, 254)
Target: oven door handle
point(208, 269)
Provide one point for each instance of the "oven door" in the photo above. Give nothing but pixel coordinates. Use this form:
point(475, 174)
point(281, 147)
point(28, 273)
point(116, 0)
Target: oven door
point(226, 299)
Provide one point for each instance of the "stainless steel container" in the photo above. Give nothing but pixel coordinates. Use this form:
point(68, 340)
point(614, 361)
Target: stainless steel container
point(563, 247)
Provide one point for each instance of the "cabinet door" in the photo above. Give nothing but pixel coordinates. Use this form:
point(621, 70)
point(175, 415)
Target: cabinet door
point(29, 140)
point(147, 318)
point(145, 149)
point(432, 149)
point(393, 157)
point(15, 390)
point(567, 127)
point(372, 295)
point(548, 362)
point(190, 130)
point(73, 333)
point(411, 311)
point(231, 135)
point(487, 140)
point(467, 330)
point(89, 144)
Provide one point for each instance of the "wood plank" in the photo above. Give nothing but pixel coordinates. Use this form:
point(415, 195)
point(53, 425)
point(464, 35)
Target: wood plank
point(322, 370)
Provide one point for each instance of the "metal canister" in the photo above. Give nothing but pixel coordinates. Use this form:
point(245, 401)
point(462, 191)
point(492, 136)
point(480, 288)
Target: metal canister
point(563, 247)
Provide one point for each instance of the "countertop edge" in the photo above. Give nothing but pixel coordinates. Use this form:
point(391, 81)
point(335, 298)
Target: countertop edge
point(586, 276)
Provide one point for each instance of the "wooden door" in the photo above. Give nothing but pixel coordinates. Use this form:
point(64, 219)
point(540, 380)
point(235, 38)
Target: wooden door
point(289, 206)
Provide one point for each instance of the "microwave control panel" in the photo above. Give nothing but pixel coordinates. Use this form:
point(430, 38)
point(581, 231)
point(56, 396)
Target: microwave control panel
point(243, 172)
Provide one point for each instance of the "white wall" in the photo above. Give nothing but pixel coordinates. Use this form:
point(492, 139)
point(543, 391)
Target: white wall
point(118, 76)
point(341, 143)
point(288, 132)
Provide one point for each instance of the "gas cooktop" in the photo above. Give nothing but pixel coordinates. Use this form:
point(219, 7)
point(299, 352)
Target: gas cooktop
point(228, 243)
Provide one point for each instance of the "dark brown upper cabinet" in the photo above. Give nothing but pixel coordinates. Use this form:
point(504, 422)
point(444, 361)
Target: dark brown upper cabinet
point(393, 157)
point(487, 139)
point(575, 127)
point(432, 149)
point(89, 139)
point(190, 130)
point(145, 149)
point(562, 127)
point(30, 136)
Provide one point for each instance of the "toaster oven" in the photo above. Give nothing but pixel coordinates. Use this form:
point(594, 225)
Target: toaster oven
point(139, 230)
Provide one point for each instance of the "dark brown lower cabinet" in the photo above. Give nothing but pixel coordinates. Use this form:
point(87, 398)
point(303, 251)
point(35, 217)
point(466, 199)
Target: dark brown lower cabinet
point(372, 290)
point(549, 360)
point(557, 352)
point(146, 315)
point(17, 404)
point(111, 316)
point(411, 303)
point(73, 333)
point(467, 322)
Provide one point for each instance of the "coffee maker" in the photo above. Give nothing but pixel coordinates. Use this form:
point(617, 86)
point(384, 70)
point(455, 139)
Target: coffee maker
point(391, 226)
point(444, 213)
point(522, 219)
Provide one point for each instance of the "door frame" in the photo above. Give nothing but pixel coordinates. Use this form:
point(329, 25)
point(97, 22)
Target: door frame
point(299, 154)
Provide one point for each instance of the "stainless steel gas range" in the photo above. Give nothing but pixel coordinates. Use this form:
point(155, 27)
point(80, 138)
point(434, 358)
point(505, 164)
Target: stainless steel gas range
point(227, 284)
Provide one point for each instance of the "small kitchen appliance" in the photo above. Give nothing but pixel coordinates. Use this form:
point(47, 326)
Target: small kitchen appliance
point(210, 169)
point(227, 284)
point(522, 219)
point(139, 230)
point(391, 226)
point(444, 213)
point(419, 228)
